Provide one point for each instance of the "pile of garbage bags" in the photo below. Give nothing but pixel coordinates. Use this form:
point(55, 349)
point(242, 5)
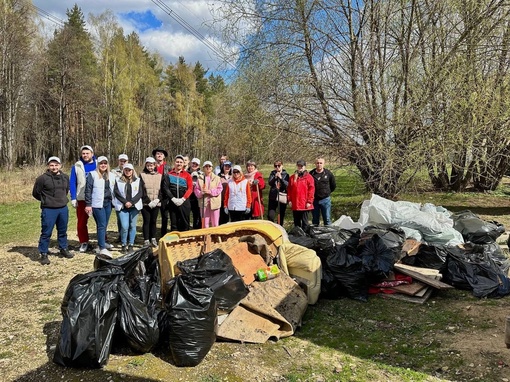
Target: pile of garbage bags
point(355, 255)
point(120, 304)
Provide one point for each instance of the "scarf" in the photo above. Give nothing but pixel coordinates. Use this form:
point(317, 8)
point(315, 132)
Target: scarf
point(250, 176)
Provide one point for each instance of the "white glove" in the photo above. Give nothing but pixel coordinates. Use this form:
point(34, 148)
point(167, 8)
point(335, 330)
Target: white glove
point(248, 210)
point(154, 203)
point(74, 203)
point(174, 200)
point(194, 174)
point(178, 202)
point(225, 210)
point(256, 181)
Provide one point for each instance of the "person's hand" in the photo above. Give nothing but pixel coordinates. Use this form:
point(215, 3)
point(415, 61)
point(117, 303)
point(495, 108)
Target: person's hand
point(247, 211)
point(128, 205)
point(88, 211)
point(74, 203)
point(225, 210)
point(154, 203)
point(178, 201)
point(255, 182)
point(308, 205)
point(174, 200)
point(206, 192)
point(289, 204)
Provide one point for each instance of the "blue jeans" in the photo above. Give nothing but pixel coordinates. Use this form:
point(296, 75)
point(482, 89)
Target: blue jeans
point(102, 216)
point(49, 218)
point(322, 207)
point(128, 218)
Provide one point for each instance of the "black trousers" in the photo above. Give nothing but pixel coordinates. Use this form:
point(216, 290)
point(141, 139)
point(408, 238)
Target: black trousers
point(301, 219)
point(195, 211)
point(150, 217)
point(237, 216)
point(272, 210)
point(164, 217)
point(179, 216)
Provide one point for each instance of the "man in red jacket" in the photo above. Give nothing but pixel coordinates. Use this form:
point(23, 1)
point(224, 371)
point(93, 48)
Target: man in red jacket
point(300, 193)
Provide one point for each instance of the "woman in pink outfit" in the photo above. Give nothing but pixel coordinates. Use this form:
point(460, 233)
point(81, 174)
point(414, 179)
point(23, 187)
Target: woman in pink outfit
point(208, 192)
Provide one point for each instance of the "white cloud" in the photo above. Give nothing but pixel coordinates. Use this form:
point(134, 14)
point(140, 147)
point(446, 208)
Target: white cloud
point(170, 39)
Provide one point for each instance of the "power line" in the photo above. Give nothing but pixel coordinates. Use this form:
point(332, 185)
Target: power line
point(48, 16)
point(204, 40)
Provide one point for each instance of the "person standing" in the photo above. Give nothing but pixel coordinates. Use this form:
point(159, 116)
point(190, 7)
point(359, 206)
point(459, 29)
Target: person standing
point(278, 181)
point(225, 176)
point(219, 168)
point(51, 190)
point(98, 201)
point(177, 187)
point(300, 194)
point(208, 192)
point(195, 172)
point(325, 184)
point(151, 201)
point(160, 154)
point(77, 181)
point(237, 202)
point(117, 171)
point(257, 184)
point(128, 201)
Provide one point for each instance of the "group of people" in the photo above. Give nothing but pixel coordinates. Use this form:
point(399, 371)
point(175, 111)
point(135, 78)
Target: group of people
point(179, 191)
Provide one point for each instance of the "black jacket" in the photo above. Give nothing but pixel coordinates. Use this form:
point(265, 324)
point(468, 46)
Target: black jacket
point(274, 181)
point(325, 183)
point(51, 190)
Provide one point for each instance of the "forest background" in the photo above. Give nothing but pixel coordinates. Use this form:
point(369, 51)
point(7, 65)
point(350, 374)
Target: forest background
point(393, 87)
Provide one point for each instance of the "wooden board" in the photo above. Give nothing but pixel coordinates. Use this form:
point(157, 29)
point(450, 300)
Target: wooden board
point(417, 273)
point(410, 289)
point(415, 299)
point(245, 262)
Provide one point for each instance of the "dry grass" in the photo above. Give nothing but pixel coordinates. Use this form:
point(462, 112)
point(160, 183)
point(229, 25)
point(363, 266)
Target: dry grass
point(16, 185)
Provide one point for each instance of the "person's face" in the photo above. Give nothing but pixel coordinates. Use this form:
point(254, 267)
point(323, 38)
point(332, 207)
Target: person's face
point(122, 162)
point(207, 169)
point(300, 168)
point(54, 167)
point(319, 164)
point(160, 157)
point(278, 167)
point(86, 155)
point(223, 158)
point(128, 172)
point(103, 166)
point(179, 164)
point(150, 166)
point(186, 161)
point(236, 174)
point(250, 167)
point(195, 166)
point(226, 168)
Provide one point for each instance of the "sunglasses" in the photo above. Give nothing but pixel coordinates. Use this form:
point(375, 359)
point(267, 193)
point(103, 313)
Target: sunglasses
point(235, 172)
point(277, 165)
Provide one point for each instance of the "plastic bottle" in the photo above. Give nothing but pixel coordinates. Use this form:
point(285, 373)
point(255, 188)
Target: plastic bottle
point(268, 273)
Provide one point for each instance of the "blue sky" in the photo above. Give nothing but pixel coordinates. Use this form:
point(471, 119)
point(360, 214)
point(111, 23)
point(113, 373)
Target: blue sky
point(158, 31)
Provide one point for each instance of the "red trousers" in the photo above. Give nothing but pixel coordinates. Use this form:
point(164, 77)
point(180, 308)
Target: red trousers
point(82, 219)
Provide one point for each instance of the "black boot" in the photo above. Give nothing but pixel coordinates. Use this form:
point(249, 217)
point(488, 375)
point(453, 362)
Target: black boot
point(44, 259)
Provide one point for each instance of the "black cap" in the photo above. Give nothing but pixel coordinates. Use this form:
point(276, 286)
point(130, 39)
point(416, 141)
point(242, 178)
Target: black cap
point(301, 162)
point(161, 150)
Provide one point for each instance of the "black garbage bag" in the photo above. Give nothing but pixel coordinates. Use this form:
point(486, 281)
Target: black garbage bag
point(216, 270)
point(428, 256)
point(89, 311)
point(298, 236)
point(137, 325)
point(133, 265)
point(393, 238)
point(191, 320)
point(343, 274)
point(476, 230)
point(476, 272)
point(377, 259)
point(329, 236)
point(493, 250)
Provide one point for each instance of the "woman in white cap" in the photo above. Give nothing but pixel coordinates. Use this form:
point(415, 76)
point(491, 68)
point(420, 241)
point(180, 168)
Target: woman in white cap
point(98, 201)
point(194, 171)
point(225, 175)
point(237, 202)
point(208, 192)
point(128, 201)
point(151, 201)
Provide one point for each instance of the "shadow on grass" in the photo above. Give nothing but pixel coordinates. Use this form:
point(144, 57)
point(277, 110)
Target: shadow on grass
point(53, 372)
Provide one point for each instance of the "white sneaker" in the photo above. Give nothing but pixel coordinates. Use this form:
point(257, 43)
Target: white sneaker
point(84, 247)
point(154, 242)
point(105, 253)
point(146, 243)
point(108, 246)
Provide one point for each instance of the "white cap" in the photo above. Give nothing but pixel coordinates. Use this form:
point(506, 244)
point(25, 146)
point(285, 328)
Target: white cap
point(123, 156)
point(196, 160)
point(102, 159)
point(86, 147)
point(128, 165)
point(237, 168)
point(150, 160)
point(207, 163)
point(54, 159)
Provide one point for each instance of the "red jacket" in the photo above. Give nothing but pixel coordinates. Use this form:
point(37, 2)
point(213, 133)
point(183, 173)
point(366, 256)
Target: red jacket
point(257, 204)
point(300, 191)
